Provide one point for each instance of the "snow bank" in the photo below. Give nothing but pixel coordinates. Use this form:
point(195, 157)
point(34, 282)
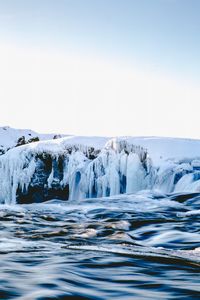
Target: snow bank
point(9, 137)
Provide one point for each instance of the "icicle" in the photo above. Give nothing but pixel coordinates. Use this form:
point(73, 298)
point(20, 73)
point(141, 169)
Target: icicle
point(135, 174)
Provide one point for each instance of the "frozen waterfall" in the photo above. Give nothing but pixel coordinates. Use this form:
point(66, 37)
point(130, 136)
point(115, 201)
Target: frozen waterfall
point(77, 168)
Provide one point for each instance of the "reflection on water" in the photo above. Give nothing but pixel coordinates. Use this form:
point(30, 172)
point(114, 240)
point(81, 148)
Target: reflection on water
point(144, 246)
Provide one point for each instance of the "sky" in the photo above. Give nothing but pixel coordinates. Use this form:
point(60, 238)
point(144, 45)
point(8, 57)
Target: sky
point(101, 67)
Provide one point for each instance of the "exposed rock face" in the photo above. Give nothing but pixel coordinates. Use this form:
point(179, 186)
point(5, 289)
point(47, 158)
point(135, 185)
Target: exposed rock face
point(22, 140)
point(39, 190)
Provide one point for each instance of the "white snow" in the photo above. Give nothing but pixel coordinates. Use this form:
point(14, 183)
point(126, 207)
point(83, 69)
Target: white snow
point(9, 136)
point(162, 148)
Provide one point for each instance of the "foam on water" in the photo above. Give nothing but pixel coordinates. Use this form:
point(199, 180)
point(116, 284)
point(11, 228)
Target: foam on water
point(190, 255)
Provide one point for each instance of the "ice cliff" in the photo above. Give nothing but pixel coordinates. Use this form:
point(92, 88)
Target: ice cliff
point(82, 167)
point(73, 168)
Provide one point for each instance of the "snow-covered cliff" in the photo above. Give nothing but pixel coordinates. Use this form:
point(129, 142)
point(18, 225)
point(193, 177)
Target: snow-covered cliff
point(87, 167)
point(11, 137)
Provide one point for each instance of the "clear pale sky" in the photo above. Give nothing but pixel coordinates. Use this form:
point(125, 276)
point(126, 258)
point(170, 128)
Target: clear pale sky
point(101, 67)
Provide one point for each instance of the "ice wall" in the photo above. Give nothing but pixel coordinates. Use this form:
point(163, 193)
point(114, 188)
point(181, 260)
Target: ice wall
point(178, 176)
point(76, 168)
point(66, 170)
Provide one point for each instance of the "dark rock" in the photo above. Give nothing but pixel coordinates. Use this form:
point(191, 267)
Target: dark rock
point(33, 139)
point(21, 141)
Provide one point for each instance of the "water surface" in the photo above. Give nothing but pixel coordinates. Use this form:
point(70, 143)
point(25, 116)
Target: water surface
point(143, 246)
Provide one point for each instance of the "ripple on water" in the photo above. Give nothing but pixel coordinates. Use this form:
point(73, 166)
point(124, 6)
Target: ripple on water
point(141, 246)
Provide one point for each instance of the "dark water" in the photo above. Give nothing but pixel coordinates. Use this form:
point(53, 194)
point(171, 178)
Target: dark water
point(140, 246)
